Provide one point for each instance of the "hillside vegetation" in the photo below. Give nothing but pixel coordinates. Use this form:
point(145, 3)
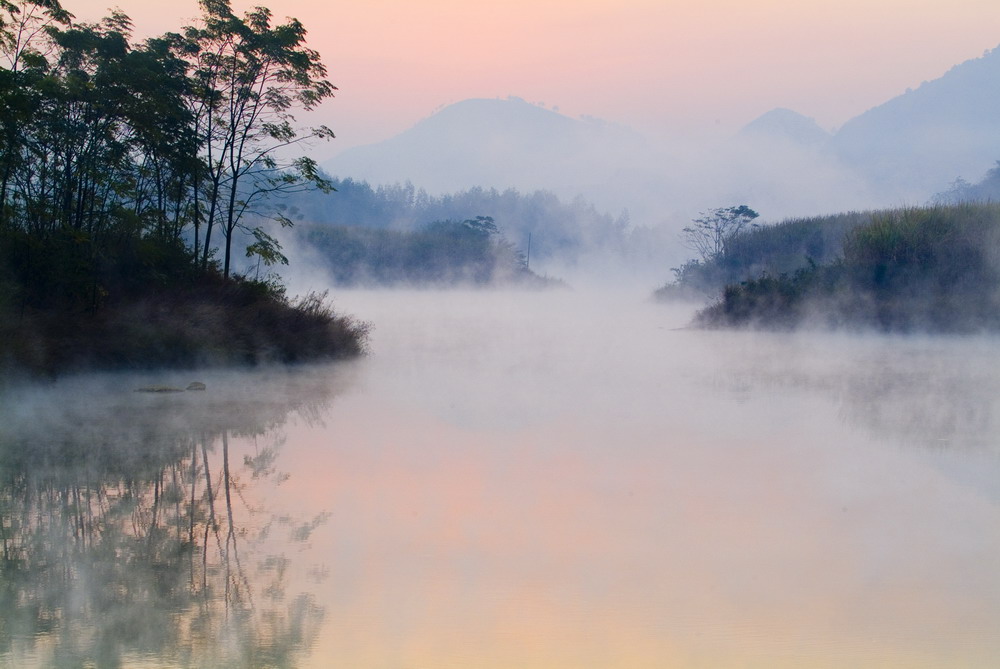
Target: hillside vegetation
point(913, 269)
point(444, 253)
point(781, 248)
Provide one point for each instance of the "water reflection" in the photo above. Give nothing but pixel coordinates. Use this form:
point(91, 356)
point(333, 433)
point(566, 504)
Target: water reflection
point(517, 480)
point(132, 528)
point(941, 392)
point(533, 481)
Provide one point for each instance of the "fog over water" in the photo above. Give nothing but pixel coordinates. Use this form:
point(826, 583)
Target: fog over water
point(516, 479)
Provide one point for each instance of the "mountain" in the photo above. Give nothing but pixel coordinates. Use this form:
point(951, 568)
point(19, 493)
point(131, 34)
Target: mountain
point(775, 164)
point(480, 142)
point(782, 163)
point(787, 126)
point(919, 142)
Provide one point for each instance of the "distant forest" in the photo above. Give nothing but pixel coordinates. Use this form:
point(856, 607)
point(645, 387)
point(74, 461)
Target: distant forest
point(443, 253)
point(554, 227)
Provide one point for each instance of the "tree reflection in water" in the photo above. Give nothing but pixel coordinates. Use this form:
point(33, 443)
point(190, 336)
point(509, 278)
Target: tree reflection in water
point(129, 530)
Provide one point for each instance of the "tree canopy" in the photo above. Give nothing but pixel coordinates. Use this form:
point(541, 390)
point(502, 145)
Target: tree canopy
point(709, 234)
point(118, 159)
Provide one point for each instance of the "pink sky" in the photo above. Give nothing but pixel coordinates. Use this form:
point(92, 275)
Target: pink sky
point(656, 65)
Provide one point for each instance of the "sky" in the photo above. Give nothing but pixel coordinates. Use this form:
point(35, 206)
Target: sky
point(658, 66)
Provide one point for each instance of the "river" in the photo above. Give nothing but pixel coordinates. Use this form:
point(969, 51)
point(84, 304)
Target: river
point(515, 479)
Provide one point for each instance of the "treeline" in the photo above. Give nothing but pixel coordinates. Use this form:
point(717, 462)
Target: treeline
point(780, 248)
point(126, 169)
point(439, 254)
point(914, 269)
point(554, 227)
point(960, 190)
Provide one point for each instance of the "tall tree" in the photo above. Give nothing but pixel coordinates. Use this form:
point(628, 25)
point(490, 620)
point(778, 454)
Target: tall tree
point(709, 234)
point(250, 75)
point(23, 26)
point(24, 41)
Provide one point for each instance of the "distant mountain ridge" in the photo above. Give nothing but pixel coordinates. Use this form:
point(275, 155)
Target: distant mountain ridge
point(474, 142)
point(902, 151)
point(786, 125)
point(920, 141)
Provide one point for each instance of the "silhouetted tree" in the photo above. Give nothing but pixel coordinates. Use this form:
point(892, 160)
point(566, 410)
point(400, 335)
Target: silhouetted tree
point(708, 235)
point(249, 76)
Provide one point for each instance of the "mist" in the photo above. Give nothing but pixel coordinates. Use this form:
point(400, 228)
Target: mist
point(662, 181)
point(575, 467)
point(526, 460)
point(902, 152)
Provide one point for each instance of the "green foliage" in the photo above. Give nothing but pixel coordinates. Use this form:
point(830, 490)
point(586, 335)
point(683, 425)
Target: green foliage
point(441, 253)
point(934, 268)
point(266, 248)
point(709, 234)
point(780, 248)
point(247, 77)
point(115, 156)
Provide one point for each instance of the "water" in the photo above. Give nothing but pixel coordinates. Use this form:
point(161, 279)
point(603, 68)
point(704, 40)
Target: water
point(516, 480)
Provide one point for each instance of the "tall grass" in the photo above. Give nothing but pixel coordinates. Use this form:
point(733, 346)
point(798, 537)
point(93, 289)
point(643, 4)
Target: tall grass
point(928, 268)
point(776, 249)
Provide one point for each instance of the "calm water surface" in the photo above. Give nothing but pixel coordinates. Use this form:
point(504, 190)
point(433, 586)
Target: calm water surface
point(515, 480)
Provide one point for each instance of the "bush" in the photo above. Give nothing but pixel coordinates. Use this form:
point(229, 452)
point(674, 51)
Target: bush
point(209, 322)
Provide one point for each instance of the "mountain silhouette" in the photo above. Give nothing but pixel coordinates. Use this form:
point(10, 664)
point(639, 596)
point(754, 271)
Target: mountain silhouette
point(480, 142)
point(917, 143)
point(785, 125)
point(900, 152)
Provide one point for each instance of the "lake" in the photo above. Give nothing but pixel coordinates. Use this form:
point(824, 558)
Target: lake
point(515, 479)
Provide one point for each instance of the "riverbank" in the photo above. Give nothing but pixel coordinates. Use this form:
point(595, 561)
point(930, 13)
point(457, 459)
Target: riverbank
point(211, 322)
point(921, 269)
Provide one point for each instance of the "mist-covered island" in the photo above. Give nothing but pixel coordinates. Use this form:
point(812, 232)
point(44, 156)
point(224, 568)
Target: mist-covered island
point(912, 269)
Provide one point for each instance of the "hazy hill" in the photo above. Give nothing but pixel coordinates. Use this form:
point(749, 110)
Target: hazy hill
point(785, 125)
point(492, 143)
point(514, 144)
point(917, 143)
point(782, 163)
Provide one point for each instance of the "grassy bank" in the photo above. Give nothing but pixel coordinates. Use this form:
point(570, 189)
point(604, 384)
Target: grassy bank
point(780, 248)
point(931, 269)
